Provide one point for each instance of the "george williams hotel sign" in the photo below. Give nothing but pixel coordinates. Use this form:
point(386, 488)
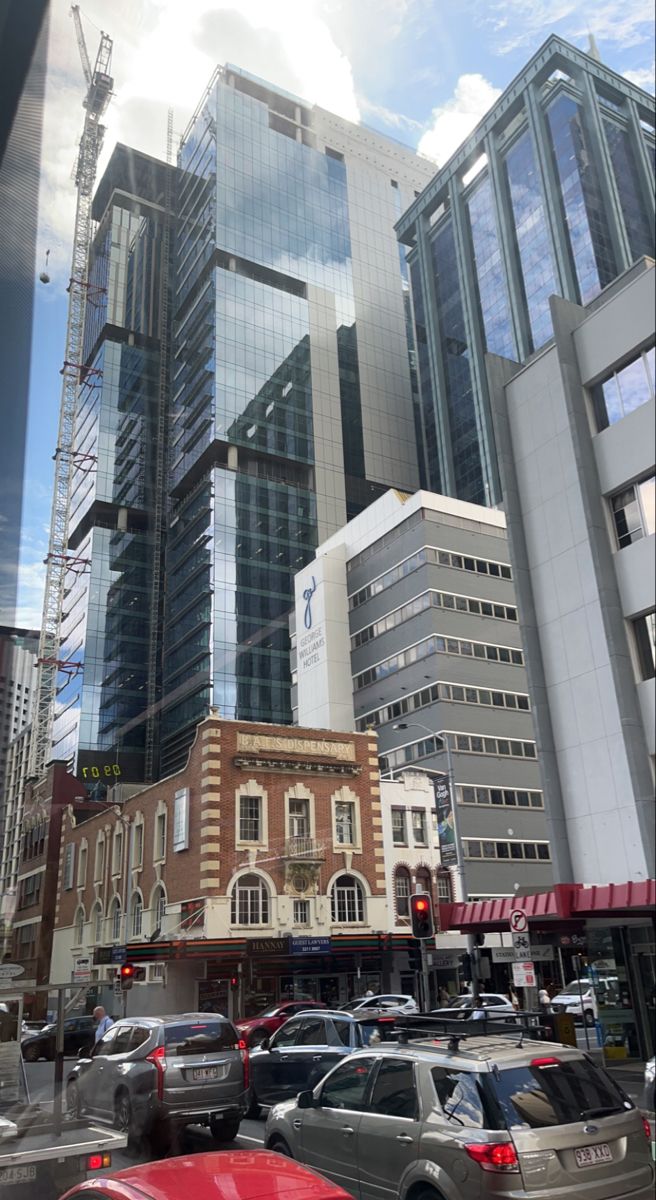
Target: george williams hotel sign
point(323, 653)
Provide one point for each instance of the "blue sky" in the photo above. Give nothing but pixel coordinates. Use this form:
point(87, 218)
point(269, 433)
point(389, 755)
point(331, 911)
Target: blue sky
point(424, 71)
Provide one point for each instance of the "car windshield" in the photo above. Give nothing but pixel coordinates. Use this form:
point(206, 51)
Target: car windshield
point(572, 989)
point(551, 1091)
point(199, 1037)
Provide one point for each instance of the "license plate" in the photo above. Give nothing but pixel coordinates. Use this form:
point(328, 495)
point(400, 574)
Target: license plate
point(590, 1156)
point(200, 1073)
point(17, 1174)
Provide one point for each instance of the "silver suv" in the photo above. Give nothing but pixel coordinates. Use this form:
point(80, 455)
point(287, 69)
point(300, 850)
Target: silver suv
point(153, 1075)
point(488, 1117)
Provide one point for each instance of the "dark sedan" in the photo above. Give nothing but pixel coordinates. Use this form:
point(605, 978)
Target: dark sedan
point(79, 1034)
point(307, 1046)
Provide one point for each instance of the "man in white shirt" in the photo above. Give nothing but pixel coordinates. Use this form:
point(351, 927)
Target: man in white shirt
point(478, 1012)
point(103, 1022)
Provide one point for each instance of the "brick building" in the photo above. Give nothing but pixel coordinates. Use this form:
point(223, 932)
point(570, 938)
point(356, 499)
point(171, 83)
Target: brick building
point(255, 873)
point(29, 938)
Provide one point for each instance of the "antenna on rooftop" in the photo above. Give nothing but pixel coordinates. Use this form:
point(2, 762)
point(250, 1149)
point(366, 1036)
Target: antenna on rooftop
point(593, 49)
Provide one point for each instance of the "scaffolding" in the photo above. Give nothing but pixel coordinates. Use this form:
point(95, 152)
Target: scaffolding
point(58, 561)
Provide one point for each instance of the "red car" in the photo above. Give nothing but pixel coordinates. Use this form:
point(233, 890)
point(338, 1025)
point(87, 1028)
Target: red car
point(265, 1023)
point(223, 1175)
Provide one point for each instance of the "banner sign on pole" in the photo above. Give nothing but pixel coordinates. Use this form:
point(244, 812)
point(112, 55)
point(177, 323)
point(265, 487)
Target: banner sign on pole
point(445, 825)
point(524, 974)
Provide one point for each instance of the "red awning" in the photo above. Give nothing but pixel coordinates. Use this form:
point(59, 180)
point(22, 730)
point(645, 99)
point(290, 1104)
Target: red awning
point(566, 901)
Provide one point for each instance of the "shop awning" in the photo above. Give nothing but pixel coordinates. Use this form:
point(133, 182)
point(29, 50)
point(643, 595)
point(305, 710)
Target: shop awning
point(565, 902)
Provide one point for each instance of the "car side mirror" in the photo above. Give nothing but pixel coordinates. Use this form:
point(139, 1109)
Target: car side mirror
point(307, 1100)
point(85, 1052)
point(265, 1044)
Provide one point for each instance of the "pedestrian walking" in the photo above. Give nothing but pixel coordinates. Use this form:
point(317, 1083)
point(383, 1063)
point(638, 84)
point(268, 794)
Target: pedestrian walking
point(103, 1022)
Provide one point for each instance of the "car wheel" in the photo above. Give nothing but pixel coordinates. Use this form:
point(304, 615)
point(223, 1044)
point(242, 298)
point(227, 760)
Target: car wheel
point(224, 1131)
point(257, 1037)
point(31, 1053)
point(122, 1112)
point(589, 1017)
point(279, 1146)
point(73, 1106)
point(427, 1193)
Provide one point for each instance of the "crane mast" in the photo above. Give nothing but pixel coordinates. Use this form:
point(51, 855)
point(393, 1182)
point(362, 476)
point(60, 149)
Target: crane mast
point(59, 560)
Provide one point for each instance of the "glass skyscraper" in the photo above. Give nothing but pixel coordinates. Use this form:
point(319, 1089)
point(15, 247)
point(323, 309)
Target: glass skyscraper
point(553, 194)
point(292, 401)
point(107, 624)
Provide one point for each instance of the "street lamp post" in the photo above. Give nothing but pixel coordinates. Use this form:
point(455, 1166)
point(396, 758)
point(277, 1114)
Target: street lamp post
point(472, 949)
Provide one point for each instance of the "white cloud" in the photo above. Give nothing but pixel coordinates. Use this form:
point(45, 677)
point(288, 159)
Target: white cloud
point(527, 22)
point(455, 119)
point(393, 119)
point(645, 78)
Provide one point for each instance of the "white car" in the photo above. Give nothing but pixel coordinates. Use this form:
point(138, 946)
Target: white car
point(577, 998)
point(394, 1002)
point(492, 1002)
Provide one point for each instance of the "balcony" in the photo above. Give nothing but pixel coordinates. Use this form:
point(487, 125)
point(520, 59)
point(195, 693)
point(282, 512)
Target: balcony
point(304, 849)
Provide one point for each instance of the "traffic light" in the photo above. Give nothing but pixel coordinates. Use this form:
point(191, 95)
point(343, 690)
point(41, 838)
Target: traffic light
point(234, 983)
point(421, 911)
point(414, 958)
point(127, 976)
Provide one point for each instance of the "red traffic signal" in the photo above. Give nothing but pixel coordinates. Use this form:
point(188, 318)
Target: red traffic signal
point(127, 976)
point(421, 912)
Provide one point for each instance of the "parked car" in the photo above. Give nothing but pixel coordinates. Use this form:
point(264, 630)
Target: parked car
point(255, 1029)
point(493, 1117)
point(79, 1034)
point(577, 998)
point(462, 1006)
point(396, 1002)
point(153, 1075)
point(307, 1046)
point(226, 1175)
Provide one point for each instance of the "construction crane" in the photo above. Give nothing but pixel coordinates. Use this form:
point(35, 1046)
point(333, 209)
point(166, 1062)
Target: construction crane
point(59, 560)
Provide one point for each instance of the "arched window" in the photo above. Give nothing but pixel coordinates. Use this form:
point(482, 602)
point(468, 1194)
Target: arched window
point(137, 915)
point(79, 926)
point(347, 901)
point(424, 881)
point(444, 887)
point(402, 892)
point(158, 908)
point(115, 914)
point(97, 922)
point(250, 901)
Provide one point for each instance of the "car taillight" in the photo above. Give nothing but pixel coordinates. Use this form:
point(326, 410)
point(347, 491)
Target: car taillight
point(242, 1046)
point(158, 1058)
point(647, 1128)
point(545, 1062)
point(497, 1156)
point(96, 1162)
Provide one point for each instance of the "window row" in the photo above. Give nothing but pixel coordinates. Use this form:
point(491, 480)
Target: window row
point(437, 644)
point(300, 825)
point(112, 927)
point(458, 694)
point(463, 743)
point(507, 797)
point(431, 599)
point(34, 841)
point(634, 512)
point(532, 851)
point(429, 554)
point(250, 902)
point(624, 390)
point(418, 827)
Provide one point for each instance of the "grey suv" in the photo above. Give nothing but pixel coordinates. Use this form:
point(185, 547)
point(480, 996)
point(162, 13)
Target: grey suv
point(492, 1118)
point(152, 1075)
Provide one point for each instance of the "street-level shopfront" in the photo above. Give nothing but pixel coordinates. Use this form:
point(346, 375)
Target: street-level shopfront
point(243, 976)
point(610, 929)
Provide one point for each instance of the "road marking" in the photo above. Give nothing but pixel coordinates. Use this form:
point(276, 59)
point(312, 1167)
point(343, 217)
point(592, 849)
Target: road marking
point(243, 1137)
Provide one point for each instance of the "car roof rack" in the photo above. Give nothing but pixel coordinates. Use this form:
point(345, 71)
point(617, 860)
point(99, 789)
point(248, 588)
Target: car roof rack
point(454, 1030)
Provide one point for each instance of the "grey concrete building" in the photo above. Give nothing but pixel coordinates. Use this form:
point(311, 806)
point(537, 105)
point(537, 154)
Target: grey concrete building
point(575, 432)
point(406, 622)
point(552, 194)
